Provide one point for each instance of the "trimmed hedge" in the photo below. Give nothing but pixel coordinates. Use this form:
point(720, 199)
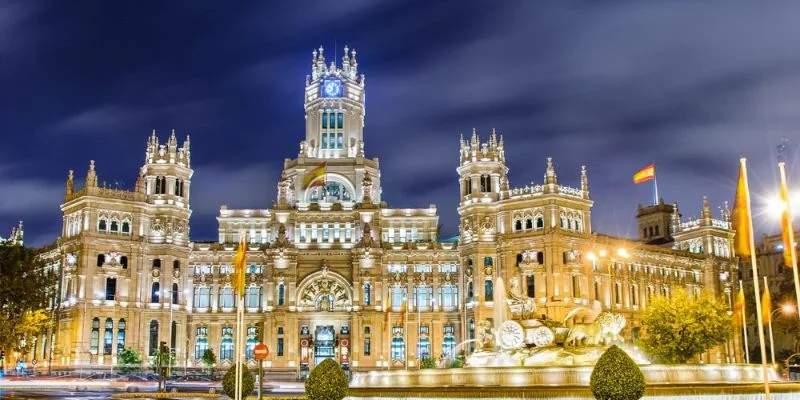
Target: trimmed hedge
point(327, 381)
point(617, 377)
point(229, 381)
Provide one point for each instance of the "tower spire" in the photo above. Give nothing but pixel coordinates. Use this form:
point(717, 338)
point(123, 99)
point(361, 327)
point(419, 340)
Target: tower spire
point(550, 173)
point(70, 183)
point(91, 175)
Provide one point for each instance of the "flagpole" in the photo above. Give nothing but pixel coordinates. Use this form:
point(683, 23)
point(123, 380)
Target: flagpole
point(655, 187)
point(744, 327)
point(790, 235)
point(769, 322)
point(756, 289)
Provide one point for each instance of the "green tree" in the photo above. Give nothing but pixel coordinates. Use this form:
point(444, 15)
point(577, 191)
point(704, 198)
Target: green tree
point(427, 362)
point(680, 327)
point(616, 377)
point(327, 381)
point(129, 361)
point(24, 290)
point(209, 360)
point(229, 381)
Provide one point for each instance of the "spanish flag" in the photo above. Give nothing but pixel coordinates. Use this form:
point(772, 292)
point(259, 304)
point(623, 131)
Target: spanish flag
point(311, 177)
point(239, 261)
point(742, 222)
point(766, 305)
point(738, 308)
point(403, 311)
point(645, 174)
point(786, 221)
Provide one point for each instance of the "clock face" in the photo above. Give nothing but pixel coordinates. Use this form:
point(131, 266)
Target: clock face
point(332, 88)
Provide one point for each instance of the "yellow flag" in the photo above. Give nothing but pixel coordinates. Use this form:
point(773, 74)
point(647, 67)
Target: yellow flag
point(386, 308)
point(403, 311)
point(239, 261)
point(741, 214)
point(311, 177)
point(786, 222)
point(738, 308)
point(766, 306)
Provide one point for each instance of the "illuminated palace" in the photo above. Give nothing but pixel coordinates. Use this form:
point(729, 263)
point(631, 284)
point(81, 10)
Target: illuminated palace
point(330, 256)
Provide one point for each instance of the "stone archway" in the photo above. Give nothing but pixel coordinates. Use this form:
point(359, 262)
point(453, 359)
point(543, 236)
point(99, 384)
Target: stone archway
point(324, 291)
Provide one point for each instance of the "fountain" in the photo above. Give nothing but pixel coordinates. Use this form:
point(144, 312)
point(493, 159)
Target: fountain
point(517, 355)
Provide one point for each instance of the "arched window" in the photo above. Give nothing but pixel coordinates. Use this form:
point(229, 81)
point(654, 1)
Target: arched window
point(121, 336)
point(126, 227)
point(367, 294)
point(487, 261)
point(226, 349)
point(578, 226)
point(153, 345)
point(94, 341)
point(253, 296)
point(539, 222)
point(114, 226)
point(563, 222)
point(488, 290)
point(101, 259)
point(249, 347)
point(528, 223)
point(470, 291)
point(176, 265)
point(156, 263)
point(154, 293)
point(174, 293)
point(331, 192)
point(398, 349)
point(101, 225)
point(173, 336)
point(281, 294)
point(423, 347)
point(200, 347)
point(449, 346)
point(124, 262)
point(518, 225)
point(108, 337)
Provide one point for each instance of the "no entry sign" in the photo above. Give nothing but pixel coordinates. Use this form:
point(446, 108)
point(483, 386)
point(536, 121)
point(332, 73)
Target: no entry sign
point(261, 351)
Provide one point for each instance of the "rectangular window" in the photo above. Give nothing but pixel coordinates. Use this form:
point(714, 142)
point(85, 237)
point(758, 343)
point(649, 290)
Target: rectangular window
point(324, 120)
point(367, 294)
point(398, 292)
point(390, 236)
point(427, 268)
point(347, 231)
point(111, 288)
point(280, 347)
point(530, 282)
point(452, 268)
point(402, 235)
point(339, 120)
point(576, 286)
point(367, 347)
point(488, 290)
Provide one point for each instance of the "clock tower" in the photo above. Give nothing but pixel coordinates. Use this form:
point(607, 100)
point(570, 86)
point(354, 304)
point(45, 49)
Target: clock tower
point(334, 107)
point(331, 166)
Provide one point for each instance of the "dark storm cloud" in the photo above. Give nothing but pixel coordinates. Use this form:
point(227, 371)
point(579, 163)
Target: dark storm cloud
point(691, 86)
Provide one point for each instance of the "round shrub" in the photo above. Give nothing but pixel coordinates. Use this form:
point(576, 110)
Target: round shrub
point(327, 381)
point(229, 381)
point(616, 377)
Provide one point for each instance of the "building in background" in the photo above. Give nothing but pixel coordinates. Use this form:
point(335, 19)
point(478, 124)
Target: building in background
point(335, 272)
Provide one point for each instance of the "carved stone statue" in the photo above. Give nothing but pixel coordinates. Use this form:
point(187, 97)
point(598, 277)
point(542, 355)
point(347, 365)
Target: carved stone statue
point(520, 305)
point(485, 336)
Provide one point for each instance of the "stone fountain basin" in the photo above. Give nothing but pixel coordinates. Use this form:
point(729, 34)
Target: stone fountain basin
point(578, 376)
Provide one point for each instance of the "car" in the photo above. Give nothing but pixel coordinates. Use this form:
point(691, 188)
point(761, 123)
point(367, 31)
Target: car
point(128, 383)
point(193, 383)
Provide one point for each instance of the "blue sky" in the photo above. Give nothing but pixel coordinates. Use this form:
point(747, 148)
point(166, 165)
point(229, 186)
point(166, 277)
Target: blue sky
point(613, 85)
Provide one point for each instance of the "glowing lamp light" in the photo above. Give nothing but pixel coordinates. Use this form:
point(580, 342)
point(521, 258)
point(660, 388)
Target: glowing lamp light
point(603, 253)
point(788, 308)
point(623, 253)
point(591, 256)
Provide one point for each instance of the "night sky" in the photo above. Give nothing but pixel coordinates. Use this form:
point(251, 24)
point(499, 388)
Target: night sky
point(689, 85)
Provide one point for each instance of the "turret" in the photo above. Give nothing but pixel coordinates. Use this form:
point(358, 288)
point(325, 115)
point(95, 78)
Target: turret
point(166, 173)
point(654, 223)
point(483, 172)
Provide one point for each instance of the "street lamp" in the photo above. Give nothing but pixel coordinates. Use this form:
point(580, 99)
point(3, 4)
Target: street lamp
point(786, 309)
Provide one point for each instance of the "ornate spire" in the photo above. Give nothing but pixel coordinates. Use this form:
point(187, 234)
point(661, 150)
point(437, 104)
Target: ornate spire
point(706, 213)
point(91, 175)
point(584, 182)
point(70, 183)
point(676, 218)
point(550, 173)
point(726, 212)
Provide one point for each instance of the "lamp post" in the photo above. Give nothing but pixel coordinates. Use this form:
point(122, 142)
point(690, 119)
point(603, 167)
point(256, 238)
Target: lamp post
point(787, 309)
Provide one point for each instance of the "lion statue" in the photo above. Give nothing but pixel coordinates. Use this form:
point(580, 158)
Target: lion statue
point(605, 329)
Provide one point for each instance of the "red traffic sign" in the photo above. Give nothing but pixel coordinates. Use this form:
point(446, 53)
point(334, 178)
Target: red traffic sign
point(261, 351)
